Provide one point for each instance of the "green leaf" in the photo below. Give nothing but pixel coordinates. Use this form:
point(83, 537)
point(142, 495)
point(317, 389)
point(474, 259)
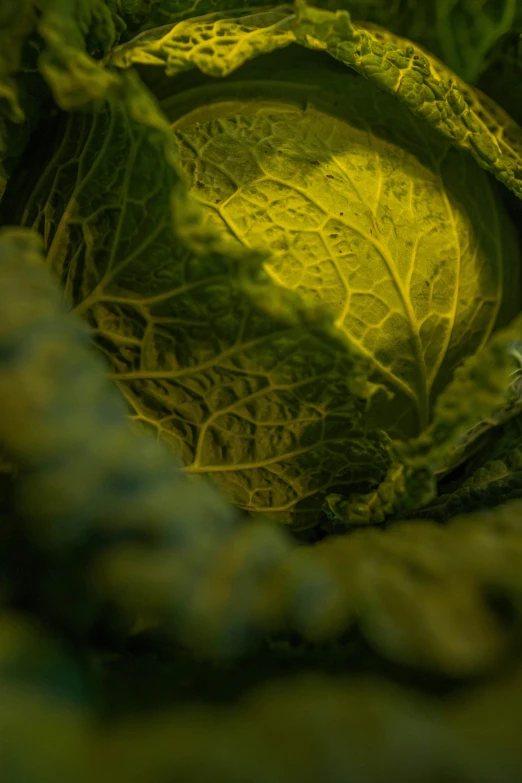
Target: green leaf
point(480, 390)
point(83, 25)
point(492, 473)
point(69, 29)
point(31, 338)
point(216, 43)
point(463, 33)
point(89, 487)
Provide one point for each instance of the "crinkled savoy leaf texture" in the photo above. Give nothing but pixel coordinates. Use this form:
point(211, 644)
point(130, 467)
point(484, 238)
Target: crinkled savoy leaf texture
point(247, 419)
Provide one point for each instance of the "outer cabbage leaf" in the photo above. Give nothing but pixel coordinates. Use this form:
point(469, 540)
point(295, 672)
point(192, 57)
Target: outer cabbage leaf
point(480, 391)
point(466, 35)
point(496, 482)
point(460, 32)
point(421, 593)
point(474, 440)
point(361, 729)
point(491, 476)
point(86, 483)
point(77, 26)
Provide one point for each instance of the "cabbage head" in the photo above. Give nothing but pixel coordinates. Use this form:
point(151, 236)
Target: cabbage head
point(291, 235)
